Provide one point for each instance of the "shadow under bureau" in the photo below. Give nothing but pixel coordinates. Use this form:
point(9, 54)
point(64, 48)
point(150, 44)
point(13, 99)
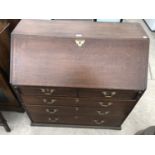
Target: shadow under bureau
point(77, 72)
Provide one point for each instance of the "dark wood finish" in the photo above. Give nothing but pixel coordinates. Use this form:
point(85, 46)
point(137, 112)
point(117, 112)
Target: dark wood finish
point(78, 72)
point(79, 120)
point(48, 91)
point(85, 111)
point(4, 123)
point(81, 102)
point(13, 23)
point(115, 104)
point(8, 99)
point(109, 94)
point(6, 96)
point(59, 29)
point(92, 93)
point(45, 124)
point(46, 100)
point(6, 27)
point(4, 47)
point(121, 48)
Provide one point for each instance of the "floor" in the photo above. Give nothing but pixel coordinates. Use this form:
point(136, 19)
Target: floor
point(142, 116)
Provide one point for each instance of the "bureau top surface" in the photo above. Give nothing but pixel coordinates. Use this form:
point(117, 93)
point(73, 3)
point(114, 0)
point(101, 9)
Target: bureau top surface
point(88, 29)
point(60, 62)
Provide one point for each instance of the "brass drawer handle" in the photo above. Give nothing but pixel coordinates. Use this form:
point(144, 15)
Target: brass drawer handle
point(76, 117)
point(53, 120)
point(76, 108)
point(99, 122)
point(109, 95)
point(77, 100)
point(103, 113)
point(47, 91)
point(52, 111)
point(105, 105)
point(49, 102)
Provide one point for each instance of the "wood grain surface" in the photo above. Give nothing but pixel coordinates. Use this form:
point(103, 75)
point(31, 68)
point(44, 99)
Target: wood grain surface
point(104, 61)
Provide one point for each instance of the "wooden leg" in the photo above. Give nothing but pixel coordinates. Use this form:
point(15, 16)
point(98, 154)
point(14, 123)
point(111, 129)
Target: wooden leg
point(7, 128)
point(4, 123)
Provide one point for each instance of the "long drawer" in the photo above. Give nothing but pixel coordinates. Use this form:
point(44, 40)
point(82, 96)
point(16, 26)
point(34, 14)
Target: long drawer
point(72, 92)
point(48, 91)
point(78, 120)
point(61, 110)
point(81, 102)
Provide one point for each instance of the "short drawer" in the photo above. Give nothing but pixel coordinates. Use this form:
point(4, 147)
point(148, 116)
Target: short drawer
point(52, 110)
point(77, 120)
point(104, 103)
point(47, 100)
point(48, 91)
point(104, 112)
point(109, 94)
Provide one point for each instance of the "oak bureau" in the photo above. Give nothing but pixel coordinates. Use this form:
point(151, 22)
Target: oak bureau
point(79, 72)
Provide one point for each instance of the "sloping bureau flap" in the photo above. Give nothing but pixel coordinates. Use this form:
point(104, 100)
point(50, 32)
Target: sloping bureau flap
point(79, 54)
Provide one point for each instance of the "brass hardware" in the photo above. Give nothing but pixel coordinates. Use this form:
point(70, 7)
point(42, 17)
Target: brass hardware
point(99, 122)
point(47, 91)
point(80, 42)
point(76, 109)
point(103, 113)
point(76, 117)
point(53, 120)
point(49, 102)
point(105, 105)
point(52, 111)
point(78, 35)
point(77, 100)
point(108, 95)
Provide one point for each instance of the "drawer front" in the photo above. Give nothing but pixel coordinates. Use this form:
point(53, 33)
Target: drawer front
point(101, 103)
point(81, 102)
point(77, 120)
point(53, 110)
point(109, 94)
point(47, 100)
point(48, 91)
point(60, 110)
